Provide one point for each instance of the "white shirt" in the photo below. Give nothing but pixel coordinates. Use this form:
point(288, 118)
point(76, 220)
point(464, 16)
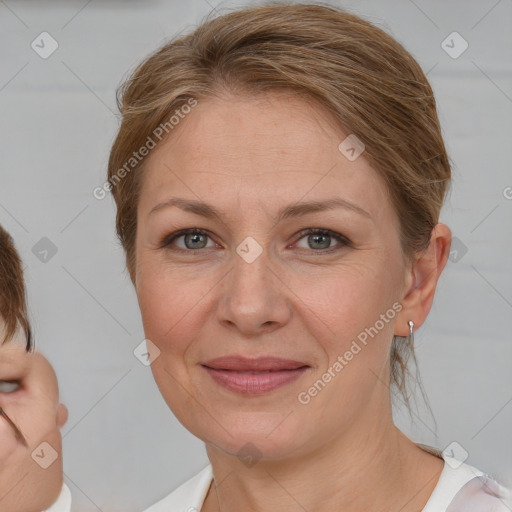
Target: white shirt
point(460, 488)
point(63, 502)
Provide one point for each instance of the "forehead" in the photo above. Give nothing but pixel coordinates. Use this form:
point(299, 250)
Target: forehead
point(267, 147)
point(18, 338)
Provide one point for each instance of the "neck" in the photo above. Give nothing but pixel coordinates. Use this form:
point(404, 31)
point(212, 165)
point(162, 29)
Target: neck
point(372, 466)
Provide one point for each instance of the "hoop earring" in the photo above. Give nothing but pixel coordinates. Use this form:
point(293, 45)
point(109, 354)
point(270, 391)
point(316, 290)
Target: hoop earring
point(410, 338)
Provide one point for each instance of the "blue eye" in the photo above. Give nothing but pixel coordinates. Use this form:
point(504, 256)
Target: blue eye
point(195, 239)
point(323, 238)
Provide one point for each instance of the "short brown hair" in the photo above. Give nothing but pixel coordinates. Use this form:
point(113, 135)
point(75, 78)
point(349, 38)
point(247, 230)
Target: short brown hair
point(357, 73)
point(13, 305)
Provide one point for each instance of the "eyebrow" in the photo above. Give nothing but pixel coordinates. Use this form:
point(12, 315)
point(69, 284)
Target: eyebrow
point(293, 210)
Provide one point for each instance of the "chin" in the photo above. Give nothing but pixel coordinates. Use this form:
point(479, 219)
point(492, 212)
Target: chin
point(252, 449)
point(254, 436)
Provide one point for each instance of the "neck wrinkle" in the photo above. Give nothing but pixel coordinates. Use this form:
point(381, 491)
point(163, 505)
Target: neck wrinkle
point(329, 478)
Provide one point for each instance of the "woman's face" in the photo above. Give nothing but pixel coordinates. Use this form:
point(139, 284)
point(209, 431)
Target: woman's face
point(255, 284)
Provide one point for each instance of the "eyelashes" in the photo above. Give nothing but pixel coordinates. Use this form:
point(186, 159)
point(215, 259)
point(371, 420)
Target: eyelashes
point(343, 241)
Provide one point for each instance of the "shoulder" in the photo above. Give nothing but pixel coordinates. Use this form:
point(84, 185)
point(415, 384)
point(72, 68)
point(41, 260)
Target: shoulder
point(481, 494)
point(63, 502)
point(464, 488)
point(189, 496)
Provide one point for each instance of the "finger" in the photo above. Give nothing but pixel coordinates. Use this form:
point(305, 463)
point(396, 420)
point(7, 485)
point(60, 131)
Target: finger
point(8, 443)
point(17, 432)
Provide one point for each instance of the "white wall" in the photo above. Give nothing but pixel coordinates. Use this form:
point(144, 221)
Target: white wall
point(123, 449)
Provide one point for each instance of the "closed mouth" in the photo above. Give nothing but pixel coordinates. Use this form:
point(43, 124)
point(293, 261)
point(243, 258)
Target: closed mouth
point(253, 365)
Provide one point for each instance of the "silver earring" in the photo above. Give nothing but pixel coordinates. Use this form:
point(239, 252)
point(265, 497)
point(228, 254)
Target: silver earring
point(410, 338)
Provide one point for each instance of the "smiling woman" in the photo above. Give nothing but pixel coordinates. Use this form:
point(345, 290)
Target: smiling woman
point(283, 241)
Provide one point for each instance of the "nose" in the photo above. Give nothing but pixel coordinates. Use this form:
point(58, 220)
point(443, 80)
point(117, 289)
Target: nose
point(254, 297)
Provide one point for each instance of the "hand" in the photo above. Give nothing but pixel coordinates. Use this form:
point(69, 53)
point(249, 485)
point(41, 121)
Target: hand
point(32, 415)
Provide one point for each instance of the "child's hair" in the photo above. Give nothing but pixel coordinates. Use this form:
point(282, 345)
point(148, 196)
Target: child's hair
point(13, 305)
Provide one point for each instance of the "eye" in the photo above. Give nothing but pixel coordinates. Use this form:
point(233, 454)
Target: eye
point(9, 386)
point(320, 239)
point(193, 239)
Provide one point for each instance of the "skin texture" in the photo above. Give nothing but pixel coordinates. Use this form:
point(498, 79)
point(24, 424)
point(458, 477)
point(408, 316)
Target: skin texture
point(34, 408)
point(250, 157)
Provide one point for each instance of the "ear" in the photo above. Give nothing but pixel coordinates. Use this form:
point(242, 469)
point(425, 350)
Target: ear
point(62, 415)
point(421, 280)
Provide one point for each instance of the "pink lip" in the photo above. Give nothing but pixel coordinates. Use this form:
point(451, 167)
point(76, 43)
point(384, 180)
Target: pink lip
point(254, 376)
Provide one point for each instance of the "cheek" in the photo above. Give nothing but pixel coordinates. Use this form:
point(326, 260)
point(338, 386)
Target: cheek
point(173, 315)
point(351, 314)
point(349, 300)
point(169, 302)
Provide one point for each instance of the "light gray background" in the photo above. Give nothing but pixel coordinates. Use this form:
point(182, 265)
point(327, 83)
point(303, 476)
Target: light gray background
point(123, 448)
